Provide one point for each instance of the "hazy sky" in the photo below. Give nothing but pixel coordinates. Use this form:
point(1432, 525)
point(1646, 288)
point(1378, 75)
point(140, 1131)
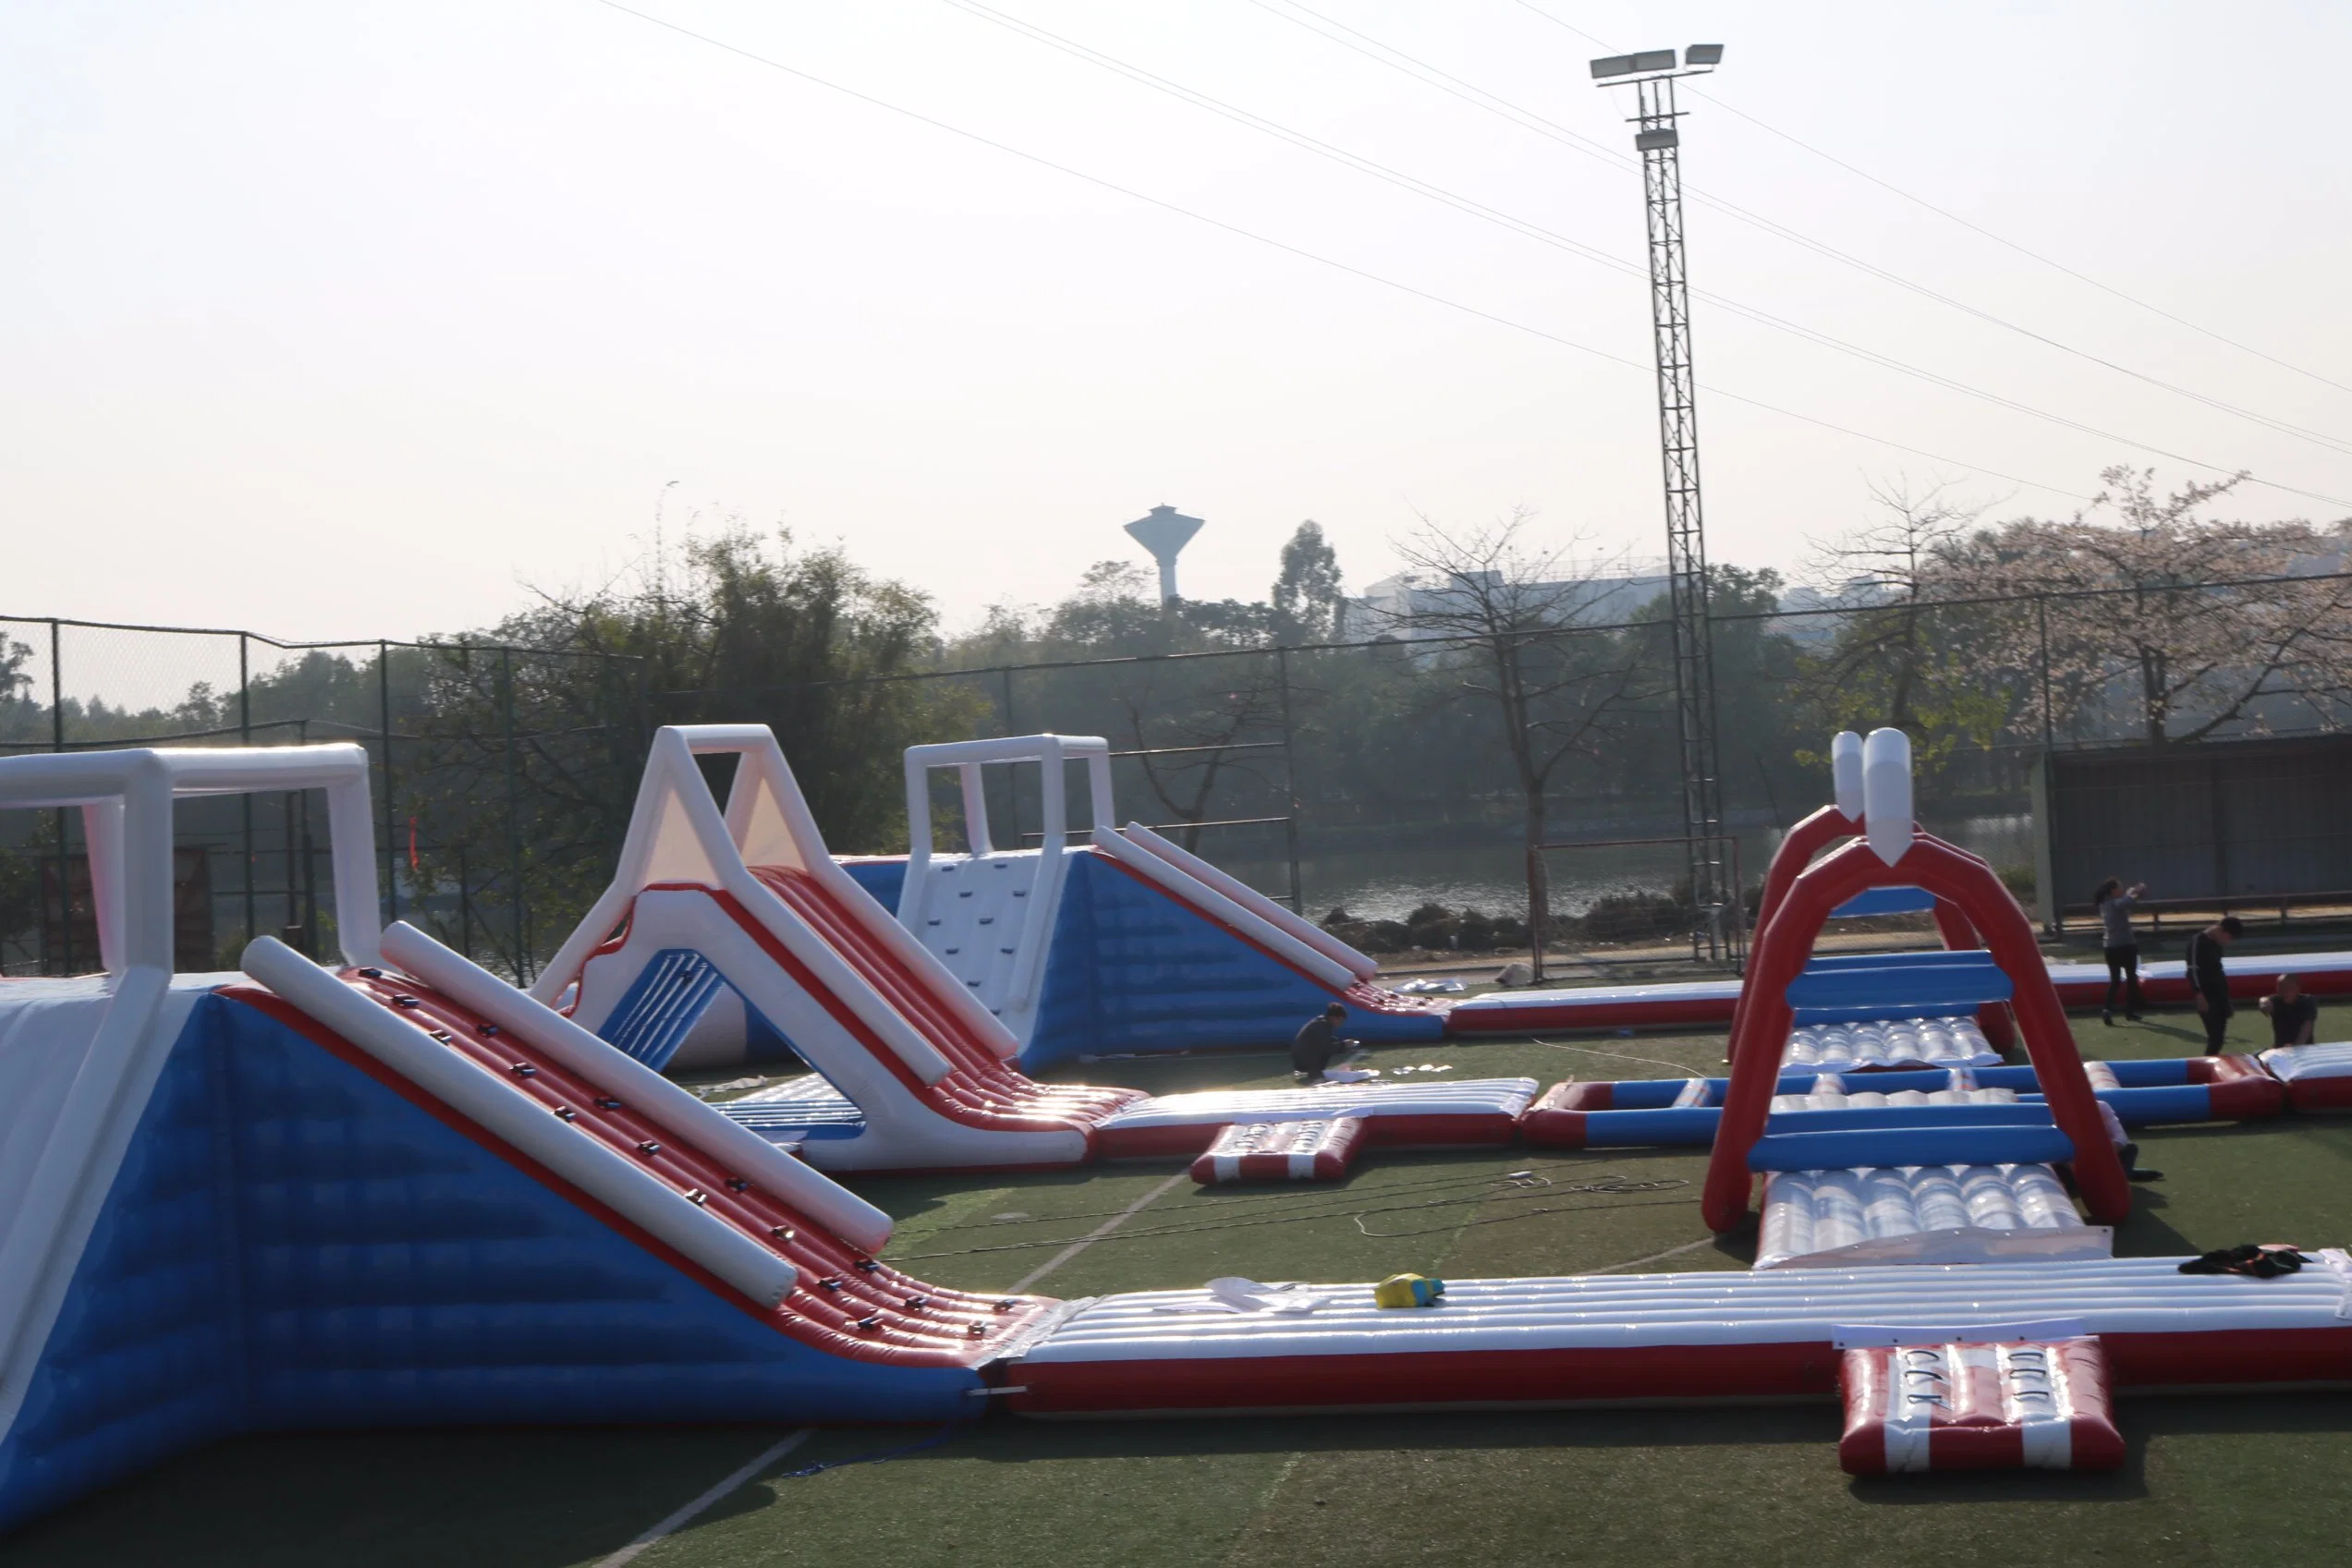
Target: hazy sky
point(332, 319)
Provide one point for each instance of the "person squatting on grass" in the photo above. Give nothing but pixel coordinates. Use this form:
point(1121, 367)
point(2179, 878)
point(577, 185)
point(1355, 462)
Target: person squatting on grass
point(2294, 1016)
point(2206, 981)
point(1313, 1050)
point(2114, 903)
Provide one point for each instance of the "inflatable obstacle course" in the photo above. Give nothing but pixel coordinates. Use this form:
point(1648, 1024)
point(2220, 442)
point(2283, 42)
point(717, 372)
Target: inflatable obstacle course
point(399, 1193)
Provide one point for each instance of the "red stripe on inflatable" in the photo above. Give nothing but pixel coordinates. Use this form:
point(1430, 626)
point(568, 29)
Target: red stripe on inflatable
point(1631, 1375)
point(820, 1317)
point(1424, 1378)
point(2238, 1087)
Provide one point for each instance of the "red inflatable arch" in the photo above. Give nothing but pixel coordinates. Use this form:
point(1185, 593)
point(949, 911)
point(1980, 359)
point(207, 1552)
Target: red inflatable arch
point(1782, 949)
point(1809, 838)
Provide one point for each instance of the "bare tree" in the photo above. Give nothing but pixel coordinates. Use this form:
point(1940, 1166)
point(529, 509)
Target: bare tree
point(1505, 612)
point(1198, 731)
point(1896, 658)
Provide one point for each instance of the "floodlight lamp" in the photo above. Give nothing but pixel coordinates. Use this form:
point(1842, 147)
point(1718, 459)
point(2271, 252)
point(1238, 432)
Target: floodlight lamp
point(1703, 55)
point(1633, 64)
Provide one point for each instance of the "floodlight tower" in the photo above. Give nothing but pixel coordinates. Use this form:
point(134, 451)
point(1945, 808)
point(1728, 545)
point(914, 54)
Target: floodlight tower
point(1164, 531)
point(1653, 75)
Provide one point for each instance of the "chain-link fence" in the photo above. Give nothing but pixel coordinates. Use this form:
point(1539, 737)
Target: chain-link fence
point(1373, 779)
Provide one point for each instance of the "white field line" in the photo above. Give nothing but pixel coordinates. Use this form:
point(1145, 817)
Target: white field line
point(1099, 1232)
point(694, 1509)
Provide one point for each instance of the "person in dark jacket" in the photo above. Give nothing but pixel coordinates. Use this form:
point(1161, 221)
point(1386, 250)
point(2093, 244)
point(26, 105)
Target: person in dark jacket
point(2206, 981)
point(2120, 943)
point(2294, 1016)
point(1316, 1044)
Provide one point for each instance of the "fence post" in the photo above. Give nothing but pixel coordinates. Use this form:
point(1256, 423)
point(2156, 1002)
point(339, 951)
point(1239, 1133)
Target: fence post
point(383, 746)
point(245, 800)
point(1012, 775)
point(513, 818)
point(64, 858)
point(1289, 782)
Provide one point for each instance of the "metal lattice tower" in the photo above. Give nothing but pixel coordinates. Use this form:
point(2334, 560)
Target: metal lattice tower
point(1652, 75)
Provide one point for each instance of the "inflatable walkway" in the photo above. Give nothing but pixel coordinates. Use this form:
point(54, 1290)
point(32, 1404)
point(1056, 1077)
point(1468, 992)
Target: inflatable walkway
point(737, 926)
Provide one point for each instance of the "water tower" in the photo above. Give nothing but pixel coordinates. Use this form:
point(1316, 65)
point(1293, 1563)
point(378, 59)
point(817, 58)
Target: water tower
point(1164, 531)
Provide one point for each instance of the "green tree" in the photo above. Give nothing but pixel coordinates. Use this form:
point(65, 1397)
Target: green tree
point(1306, 596)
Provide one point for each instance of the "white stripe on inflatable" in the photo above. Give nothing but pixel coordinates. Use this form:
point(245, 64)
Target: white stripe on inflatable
point(1886, 794)
point(1361, 966)
point(2105, 1296)
point(1183, 886)
point(1475, 1097)
point(1845, 773)
point(493, 1103)
point(661, 1102)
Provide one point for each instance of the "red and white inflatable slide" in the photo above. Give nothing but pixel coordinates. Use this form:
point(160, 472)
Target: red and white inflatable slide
point(745, 907)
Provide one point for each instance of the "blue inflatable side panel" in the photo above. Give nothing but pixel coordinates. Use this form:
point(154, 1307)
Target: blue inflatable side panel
point(1163, 978)
point(145, 1356)
point(669, 994)
point(881, 878)
point(292, 1244)
point(1885, 901)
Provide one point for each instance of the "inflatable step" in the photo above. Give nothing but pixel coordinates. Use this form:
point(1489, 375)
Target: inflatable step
point(1923, 1214)
point(1953, 1040)
point(1458, 1115)
point(2034, 1405)
point(2318, 1077)
point(1280, 1151)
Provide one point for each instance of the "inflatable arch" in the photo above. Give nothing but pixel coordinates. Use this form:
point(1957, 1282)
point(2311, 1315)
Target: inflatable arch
point(1894, 852)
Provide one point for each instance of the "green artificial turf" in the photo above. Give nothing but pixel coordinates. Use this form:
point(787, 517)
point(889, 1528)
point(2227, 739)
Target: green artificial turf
point(2222, 1479)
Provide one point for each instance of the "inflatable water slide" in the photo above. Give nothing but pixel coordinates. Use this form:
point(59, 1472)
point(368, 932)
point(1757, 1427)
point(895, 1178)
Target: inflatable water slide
point(733, 931)
point(398, 1193)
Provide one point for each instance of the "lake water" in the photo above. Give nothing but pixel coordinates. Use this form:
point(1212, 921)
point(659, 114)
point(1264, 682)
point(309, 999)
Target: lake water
point(1388, 885)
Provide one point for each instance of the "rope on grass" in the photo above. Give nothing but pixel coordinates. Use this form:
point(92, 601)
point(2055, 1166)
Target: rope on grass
point(1521, 1185)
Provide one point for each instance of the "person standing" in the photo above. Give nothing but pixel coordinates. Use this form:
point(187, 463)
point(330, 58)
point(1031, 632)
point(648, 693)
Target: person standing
point(2121, 944)
point(2294, 1016)
point(2206, 981)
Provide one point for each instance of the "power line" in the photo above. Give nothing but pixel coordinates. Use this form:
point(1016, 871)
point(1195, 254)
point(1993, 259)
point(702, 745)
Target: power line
point(1286, 247)
point(1397, 59)
point(1536, 231)
point(1972, 227)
